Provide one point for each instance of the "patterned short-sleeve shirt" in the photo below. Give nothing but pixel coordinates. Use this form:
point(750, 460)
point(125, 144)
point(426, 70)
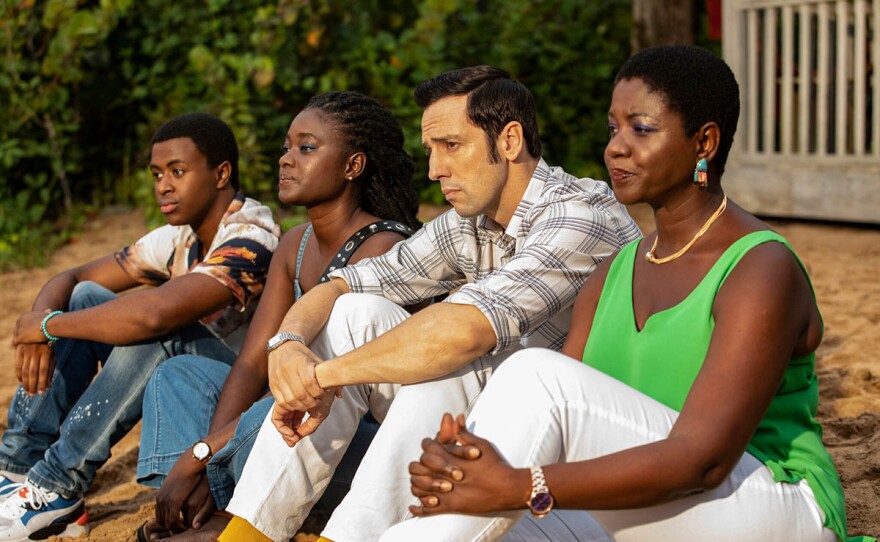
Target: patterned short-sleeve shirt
point(238, 258)
point(524, 278)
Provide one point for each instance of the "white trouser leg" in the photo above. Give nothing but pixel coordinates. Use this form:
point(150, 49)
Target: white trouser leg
point(543, 407)
point(279, 485)
point(379, 495)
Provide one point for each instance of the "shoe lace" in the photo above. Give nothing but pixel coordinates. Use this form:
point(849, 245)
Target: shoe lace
point(23, 495)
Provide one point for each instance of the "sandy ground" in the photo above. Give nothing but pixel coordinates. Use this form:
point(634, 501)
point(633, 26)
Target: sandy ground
point(844, 263)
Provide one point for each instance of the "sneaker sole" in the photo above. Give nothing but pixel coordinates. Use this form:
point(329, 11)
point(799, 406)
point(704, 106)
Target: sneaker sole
point(73, 530)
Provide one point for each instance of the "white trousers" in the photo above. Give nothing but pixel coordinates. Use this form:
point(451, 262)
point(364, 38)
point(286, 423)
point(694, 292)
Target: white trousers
point(543, 407)
point(279, 485)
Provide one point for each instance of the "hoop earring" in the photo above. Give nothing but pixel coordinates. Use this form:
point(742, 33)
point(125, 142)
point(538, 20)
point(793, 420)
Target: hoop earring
point(701, 177)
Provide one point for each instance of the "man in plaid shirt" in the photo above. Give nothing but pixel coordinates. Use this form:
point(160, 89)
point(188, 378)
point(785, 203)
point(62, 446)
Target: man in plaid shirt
point(512, 254)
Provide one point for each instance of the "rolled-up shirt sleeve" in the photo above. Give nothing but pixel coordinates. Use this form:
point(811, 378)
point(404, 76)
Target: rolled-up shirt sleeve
point(241, 264)
point(566, 241)
point(148, 260)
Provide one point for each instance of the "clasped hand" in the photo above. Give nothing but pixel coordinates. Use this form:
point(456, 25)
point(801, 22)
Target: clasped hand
point(34, 358)
point(185, 499)
point(461, 472)
point(28, 329)
point(297, 392)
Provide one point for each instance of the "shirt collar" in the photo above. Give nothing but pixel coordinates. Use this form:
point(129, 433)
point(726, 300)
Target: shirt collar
point(234, 206)
point(531, 195)
point(196, 245)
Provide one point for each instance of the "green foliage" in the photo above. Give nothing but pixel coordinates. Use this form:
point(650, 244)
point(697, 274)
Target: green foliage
point(85, 83)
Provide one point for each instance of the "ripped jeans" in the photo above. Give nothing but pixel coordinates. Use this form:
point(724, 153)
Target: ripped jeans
point(61, 437)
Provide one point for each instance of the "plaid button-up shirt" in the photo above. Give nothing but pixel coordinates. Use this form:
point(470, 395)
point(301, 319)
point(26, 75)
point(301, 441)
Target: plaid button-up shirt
point(524, 278)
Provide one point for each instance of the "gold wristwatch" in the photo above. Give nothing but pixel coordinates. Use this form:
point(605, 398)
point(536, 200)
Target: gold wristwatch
point(541, 501)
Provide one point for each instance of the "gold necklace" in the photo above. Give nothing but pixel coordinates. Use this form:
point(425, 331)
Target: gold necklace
point(650, 254)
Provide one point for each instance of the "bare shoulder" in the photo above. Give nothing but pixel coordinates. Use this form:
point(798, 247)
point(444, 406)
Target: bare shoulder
point(769, 266)
point(285, 255)
point(292, 238)
point(769, 284)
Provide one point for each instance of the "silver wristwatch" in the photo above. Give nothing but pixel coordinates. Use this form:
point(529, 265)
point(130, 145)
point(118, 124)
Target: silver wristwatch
point(541, 501)
point(282, 337)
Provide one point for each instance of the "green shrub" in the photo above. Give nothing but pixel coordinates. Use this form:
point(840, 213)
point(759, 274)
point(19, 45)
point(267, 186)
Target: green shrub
point(84, 84)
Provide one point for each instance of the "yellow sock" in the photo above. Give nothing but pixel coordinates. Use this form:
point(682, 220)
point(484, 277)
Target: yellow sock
point(324, 539)
point(240, 530)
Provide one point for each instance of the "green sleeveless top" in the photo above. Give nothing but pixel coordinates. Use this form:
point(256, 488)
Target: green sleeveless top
point(663, 359)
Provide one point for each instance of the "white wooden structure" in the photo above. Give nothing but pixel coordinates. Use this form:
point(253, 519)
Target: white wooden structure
point(808, 142)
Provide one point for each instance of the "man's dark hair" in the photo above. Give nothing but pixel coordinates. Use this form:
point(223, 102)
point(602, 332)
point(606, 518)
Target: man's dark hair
point(367, 126)
point(693, 82)
point(212, 136)
point(494, 99)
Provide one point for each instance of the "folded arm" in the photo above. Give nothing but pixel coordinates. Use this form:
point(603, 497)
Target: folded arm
point(140, 315)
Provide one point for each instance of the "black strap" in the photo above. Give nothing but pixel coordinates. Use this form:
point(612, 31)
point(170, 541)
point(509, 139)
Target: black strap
point(353, 242)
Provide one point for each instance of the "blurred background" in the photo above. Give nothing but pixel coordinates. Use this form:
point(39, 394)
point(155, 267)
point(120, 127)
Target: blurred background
point(84, 84)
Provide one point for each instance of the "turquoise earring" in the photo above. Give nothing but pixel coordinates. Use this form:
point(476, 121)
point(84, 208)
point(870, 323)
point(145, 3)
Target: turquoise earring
point(701, 177)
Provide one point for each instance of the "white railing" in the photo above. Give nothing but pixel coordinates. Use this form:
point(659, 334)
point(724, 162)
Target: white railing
point(810, 87)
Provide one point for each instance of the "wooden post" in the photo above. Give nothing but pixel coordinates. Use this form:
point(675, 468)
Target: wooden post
point(657, 22)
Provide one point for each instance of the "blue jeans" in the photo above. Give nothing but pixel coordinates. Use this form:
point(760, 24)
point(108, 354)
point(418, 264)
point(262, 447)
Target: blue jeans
point(178, 408)
point(61, 437)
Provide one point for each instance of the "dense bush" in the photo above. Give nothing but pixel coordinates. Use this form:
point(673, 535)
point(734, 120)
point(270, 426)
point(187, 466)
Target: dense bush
point(85, 83)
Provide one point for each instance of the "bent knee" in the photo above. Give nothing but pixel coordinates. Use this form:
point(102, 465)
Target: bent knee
point(354, 303)
point(175, 370)
point(351, 310)
point(532, 363)
point(88, 294)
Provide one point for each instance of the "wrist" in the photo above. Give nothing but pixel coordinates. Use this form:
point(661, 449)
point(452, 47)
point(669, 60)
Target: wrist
point(520, 489)
point(326, 375)
point(189, 465)
point(43, 326)
point(284, 338)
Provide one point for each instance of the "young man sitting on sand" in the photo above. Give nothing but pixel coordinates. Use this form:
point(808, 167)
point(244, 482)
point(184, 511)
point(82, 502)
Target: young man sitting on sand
point(208, 266)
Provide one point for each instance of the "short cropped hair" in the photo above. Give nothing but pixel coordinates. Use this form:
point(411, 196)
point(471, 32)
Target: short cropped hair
point(494, 99)
point(693, 82)
point(212, 136)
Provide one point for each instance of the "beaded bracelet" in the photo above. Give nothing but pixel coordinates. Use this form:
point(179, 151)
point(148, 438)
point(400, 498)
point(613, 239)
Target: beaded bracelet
point(49, 336)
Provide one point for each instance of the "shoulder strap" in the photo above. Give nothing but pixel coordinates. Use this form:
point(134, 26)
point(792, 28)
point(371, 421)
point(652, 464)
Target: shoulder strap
point(353, 242)
point(299, 256)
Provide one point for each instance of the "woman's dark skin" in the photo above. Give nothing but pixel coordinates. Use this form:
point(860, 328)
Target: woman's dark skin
point(764, 315)
point(317, 172)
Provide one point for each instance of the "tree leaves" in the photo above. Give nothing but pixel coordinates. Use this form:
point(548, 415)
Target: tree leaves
point(108, 73)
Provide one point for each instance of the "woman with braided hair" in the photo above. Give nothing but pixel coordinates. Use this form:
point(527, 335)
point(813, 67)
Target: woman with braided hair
point(343, 160)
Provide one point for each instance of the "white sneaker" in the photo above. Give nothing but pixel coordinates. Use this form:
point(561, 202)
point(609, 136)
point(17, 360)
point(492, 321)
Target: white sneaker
point(9, 482)
point(33, 513)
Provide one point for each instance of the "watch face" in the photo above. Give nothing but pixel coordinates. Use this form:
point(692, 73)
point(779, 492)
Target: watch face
point(541, 503)
point(201, 450)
